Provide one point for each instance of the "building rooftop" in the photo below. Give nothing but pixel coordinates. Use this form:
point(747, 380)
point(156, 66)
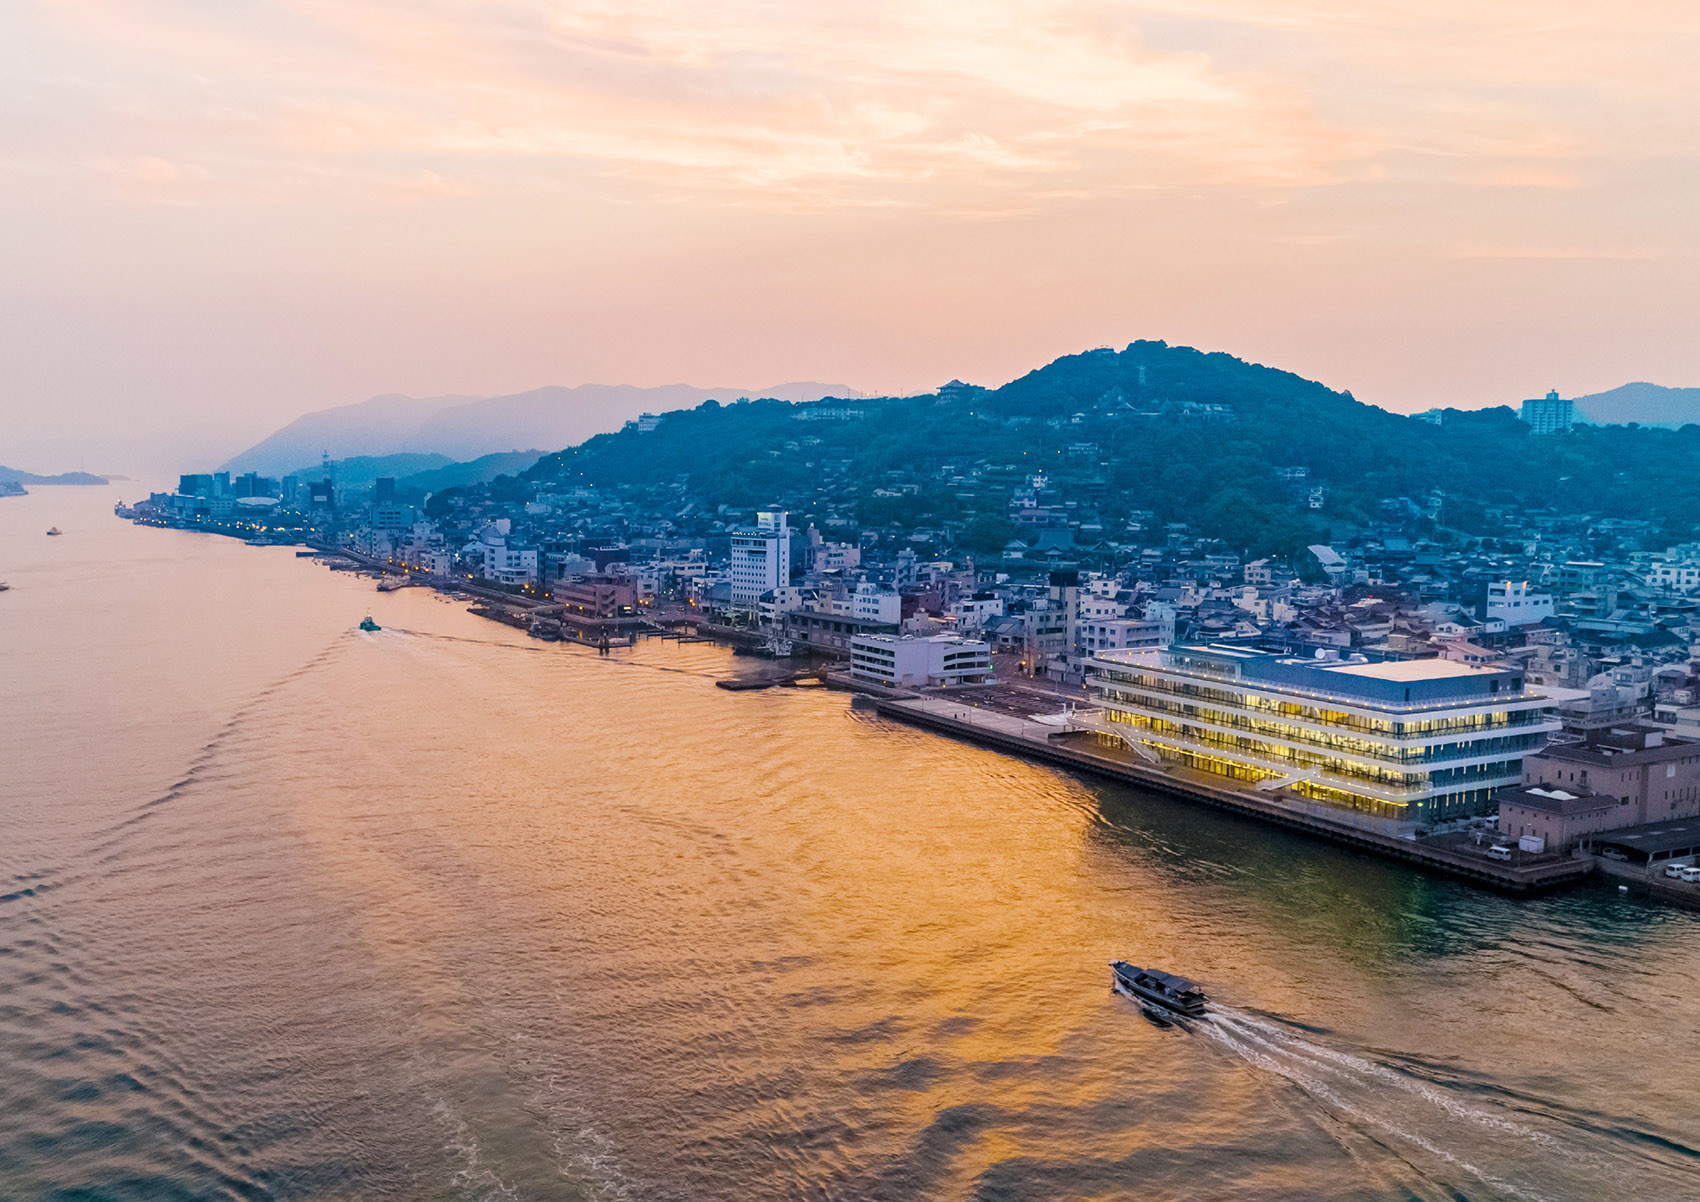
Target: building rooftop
point(1405, 670)
point(1678, 837)
point(920, 638)
point(1552, 800)
point(1631, 743)
point(1401, 685)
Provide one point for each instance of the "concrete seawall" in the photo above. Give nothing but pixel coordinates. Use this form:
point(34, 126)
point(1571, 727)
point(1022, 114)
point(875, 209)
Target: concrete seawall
point(1642, 882)
point(1074, 749)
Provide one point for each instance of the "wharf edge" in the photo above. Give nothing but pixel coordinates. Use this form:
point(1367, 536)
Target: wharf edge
point(1520, 880)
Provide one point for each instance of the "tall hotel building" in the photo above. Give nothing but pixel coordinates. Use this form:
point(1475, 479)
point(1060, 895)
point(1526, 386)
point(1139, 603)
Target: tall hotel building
point(1412, 741)
point(761, 559)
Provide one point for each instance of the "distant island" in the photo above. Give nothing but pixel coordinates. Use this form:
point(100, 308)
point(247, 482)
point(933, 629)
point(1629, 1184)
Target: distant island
point(12, 480)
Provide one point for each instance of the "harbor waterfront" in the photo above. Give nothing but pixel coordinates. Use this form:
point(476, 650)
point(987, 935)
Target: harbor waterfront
point(1084, 747)
point(441, 911)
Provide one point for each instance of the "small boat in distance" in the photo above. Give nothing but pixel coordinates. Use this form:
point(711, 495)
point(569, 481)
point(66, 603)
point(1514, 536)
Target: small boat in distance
point(366, 623)
point(1178, 995)
point(51, 530)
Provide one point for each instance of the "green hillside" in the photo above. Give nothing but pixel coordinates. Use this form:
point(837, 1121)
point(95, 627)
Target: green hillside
point(1195, 437)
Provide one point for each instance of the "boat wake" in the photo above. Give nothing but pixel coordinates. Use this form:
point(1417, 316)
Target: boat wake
point(1439, 1132)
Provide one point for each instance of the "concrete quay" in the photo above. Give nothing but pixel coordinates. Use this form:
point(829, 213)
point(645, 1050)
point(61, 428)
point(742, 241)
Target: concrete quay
point(1078, 748)
point(1644, 881)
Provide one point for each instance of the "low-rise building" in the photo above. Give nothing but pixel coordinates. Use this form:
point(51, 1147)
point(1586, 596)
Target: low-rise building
point(1651, 772)
point(1118, 634)
point(1559, 817)
point(600, 597)
point(829, 631)
point(901, 660)
point(1511, 602)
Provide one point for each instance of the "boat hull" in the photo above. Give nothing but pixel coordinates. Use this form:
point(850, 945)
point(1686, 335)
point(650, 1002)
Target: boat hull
point(1129, 984)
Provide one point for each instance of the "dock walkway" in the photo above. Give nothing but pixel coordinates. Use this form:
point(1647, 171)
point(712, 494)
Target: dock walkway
point(1077, 746)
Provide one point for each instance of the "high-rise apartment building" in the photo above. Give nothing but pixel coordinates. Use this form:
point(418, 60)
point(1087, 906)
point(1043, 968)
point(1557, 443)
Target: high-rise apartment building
point(1551, 414)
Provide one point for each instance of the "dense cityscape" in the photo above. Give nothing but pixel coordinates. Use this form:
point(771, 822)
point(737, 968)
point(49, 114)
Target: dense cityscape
point(1470, 680)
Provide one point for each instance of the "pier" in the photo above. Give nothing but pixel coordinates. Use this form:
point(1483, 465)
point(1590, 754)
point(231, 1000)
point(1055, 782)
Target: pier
point(1079, 748)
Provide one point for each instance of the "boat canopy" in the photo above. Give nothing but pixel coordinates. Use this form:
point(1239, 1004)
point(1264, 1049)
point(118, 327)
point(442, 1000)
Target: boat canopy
point(1171, 982)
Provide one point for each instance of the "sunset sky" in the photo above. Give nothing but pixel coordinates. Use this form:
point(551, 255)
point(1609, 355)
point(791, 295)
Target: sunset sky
point(219, 214)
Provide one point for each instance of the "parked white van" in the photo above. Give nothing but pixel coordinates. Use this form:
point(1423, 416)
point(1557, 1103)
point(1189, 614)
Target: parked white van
point(1499, 851)
point(1691, 874)
point(1678, 868)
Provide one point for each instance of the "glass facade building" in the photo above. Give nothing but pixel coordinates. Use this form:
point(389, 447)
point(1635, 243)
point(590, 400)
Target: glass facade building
point(1412, 741)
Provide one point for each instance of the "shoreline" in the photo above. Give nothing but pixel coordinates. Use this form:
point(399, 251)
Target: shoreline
point(1050, 744)
point(1059, 746)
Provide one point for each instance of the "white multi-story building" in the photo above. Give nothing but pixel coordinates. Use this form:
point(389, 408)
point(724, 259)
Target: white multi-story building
point(499, 561)
point(1682, 576)
point(899, 660)
point(1093, 607)
point(781, 601)
point(971, 613)
point(511, 565)
point(1511, 602)
point(1413, 741)
point(1117, 634)
point(871, 603)
point(761, 559)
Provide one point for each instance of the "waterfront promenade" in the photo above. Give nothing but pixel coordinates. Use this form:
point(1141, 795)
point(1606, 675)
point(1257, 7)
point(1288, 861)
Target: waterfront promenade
point(1076, 745)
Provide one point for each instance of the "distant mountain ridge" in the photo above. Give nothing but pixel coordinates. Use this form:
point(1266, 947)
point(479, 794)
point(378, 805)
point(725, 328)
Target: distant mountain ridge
point(464, 428)
point(1643, 403)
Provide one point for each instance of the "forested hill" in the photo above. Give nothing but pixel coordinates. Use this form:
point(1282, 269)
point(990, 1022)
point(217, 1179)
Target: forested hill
point(1207, 439)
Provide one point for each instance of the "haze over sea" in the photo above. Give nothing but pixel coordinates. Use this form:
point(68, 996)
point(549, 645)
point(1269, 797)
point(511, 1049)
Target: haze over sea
point(292, 911)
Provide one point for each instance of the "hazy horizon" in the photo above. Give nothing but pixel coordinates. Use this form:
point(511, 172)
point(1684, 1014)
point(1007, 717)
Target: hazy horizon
point(223, 219)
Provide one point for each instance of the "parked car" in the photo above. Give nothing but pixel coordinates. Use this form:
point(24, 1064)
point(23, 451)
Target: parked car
point(1499, 851)
point(1691, 874)
point(1611, 853)
point(1677, 868)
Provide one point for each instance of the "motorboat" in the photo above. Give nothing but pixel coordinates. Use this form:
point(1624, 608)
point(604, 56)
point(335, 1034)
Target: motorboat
point(366, 623)
point(52, 530)
point(1172, 993)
